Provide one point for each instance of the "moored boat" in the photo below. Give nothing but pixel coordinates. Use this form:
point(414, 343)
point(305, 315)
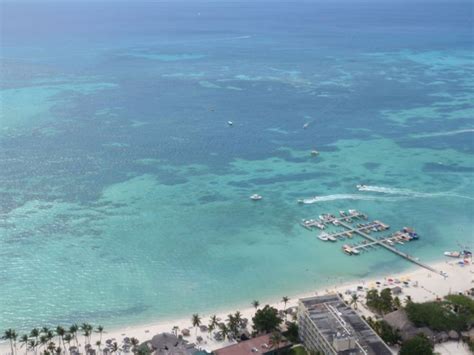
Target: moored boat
point(256, 197)
point(452, 254)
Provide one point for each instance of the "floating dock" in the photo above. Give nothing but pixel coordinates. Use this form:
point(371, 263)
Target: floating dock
point(363, 230)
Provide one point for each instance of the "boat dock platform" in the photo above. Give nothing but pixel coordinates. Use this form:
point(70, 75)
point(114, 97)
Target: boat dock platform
point(363, 230)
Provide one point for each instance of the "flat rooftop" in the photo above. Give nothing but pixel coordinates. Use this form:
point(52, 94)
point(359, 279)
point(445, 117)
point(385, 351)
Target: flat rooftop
point(254, 346)
point(334, 318)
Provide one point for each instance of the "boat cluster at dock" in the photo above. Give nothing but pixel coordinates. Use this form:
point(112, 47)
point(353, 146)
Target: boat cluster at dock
point(324, 221)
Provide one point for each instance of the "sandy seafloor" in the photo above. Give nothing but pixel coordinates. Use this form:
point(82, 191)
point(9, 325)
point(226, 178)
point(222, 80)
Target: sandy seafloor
point(124, 194)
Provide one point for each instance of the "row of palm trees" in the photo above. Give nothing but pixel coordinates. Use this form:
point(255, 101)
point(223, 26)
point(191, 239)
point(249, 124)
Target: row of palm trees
point(42, 339)
point(234, 322)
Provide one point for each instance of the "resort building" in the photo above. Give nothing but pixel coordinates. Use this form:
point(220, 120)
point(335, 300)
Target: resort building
point(255, 346)
point(328, 325)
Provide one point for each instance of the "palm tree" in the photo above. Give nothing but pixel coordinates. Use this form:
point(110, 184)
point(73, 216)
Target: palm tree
point(24, 342)
point(408, 299)
point(354, 300)
point(397, 303)
point(134, 342)
point(285, 300)
point(224, 331)
point(196, 320)
point(213, 323)
point(43, 340)
point(35, 333)
point(100, 330)
point(11, 336)
point(275, 340)
point(61, 332)
point(73, 330)
point(87, 330)
point(255, 304)
point(51, 347)
point(98, 343)
point(175, 330)
point(114, 347)
point(232, 325)
point(238, 319)
point(68, 338)
point(32, 344)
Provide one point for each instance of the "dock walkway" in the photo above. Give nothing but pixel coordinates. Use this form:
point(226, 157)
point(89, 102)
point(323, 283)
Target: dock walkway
point(375, 241)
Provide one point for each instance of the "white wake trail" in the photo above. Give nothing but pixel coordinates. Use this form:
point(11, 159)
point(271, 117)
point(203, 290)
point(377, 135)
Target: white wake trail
point(409, 193)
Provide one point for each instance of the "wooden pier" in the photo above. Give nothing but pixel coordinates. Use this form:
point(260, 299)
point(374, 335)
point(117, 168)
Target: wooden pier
point(405, 235)
point(375, 241)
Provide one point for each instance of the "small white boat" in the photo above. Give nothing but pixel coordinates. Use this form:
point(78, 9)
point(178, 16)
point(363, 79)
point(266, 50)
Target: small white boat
point(331, 238)
point(323, 237)
point(361, 187)
point(256, 197)
point(452, 254)
point(230, 123)
point(342, 213)
point(314, 153)
point(306, 125)
point(355, 251)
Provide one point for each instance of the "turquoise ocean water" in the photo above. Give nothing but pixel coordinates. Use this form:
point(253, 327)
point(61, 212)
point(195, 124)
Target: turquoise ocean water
point(124, 194)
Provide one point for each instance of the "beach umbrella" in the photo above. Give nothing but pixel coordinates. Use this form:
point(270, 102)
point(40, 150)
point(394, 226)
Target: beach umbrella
point(164, 341)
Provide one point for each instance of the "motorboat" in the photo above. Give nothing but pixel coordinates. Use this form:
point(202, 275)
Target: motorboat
point(323, 237)
point(342, 213)
point(361, 187)
point(256, 197)
point(331, 238)
point(452, 254)
point(230, 123)
point(355, 251)
point(347, 249)
point(314, 153)
point(306, 125)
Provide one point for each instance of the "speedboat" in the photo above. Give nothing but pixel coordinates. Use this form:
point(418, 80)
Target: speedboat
point(314, 153)
point(347, 249)
point(306, 125)
point(256, 197)
point(331, 238)
point(355, 251)
point(323, 237)
point(361, 187)
point(452, 254)
point(230, 123)
point(342, 213)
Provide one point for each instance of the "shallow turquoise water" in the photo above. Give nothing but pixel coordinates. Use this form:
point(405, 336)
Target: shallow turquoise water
point(124, 193)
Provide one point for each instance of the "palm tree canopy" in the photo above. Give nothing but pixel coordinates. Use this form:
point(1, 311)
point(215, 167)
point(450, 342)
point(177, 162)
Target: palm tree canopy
point(34, 333)
point(196, 320)
point(285, 299)
point(255, 304)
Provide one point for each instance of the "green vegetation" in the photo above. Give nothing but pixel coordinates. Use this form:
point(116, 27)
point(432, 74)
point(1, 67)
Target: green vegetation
point(382, 302)
point(266, 320)
point(292, 332)
point(419, 345)
point(385, 331)
point(59, 340)
point(298, 350)
point(455, 313)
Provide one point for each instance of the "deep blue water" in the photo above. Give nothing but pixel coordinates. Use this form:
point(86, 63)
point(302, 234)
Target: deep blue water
point(124, 193)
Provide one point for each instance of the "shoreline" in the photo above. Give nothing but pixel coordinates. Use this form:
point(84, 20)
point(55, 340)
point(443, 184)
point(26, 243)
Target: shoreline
point(459, 279)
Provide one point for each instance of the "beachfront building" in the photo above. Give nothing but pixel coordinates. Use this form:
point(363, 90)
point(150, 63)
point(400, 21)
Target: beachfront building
point(261, 345)
point(328, 325)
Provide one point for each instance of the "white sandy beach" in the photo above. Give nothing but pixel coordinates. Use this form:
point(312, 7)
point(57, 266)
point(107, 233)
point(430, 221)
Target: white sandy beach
point(429, 287)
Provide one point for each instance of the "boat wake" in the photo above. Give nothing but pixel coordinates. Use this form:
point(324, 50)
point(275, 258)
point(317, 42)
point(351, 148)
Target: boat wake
point(316, 199)
point(441, 134)
point(407, 192)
